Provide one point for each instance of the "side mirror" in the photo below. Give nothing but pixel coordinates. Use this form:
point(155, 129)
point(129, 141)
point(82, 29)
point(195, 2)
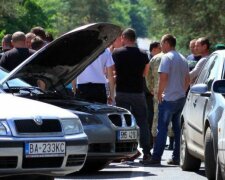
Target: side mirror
point(199, 89)
point(219, 86)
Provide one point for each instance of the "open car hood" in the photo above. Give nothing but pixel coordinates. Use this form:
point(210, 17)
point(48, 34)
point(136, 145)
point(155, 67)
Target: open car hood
point(60, 61)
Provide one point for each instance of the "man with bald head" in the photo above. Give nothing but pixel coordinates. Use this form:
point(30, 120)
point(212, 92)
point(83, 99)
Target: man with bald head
point(18, 54)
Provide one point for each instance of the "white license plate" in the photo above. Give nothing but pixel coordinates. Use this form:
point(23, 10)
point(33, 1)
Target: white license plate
point(45, 149)
point(127, 135)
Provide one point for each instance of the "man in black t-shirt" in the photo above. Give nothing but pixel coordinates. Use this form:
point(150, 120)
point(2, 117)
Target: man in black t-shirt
point(132, 65)
point(16, 55)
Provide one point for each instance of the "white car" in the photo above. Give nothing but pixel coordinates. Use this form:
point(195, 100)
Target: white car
point(39, 139)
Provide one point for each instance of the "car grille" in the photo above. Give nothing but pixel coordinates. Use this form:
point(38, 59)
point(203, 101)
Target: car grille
point(30, 126)
point(126, 147)
point(8, 162)
point(121, 120)
point(42, 162)
point(75, 160)
point(99, 148)
point(128, 119)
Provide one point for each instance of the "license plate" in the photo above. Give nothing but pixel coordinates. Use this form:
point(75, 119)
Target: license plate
point(45, 149)
point(127, 135)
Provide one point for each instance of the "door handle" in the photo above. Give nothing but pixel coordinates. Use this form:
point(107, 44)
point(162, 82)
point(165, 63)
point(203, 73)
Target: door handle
point(195, 102)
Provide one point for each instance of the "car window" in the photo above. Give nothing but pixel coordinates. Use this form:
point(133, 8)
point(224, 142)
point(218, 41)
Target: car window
point(211, 71)
point(206, 71)
point(13, 82)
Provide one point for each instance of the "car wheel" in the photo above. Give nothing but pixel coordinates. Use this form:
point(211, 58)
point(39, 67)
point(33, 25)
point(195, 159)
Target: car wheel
point(218, 169)
point(94, 166)
point(210, 164)
point(187, 161)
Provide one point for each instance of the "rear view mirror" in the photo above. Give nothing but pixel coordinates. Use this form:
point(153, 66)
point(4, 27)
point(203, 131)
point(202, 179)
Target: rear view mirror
point(219, 86)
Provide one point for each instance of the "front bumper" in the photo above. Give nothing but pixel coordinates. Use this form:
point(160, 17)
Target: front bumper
point(14, 162)
point(105, 145)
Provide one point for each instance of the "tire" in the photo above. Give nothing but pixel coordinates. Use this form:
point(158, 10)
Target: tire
point(210, 163)
point(94, 166)
point(29, 177)
point(218, 169)
point(187, 161)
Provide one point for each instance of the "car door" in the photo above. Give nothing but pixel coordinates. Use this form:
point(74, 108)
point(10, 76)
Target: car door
point(198, 102)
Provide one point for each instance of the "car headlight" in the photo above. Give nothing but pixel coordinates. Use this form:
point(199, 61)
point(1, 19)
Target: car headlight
point(72, 126)
point(4, 129)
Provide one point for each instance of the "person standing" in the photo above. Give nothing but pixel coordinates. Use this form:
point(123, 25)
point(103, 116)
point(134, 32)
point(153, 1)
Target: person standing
point(149, 84)
point(18, 54)
point(173, 83)
point(91, 83)
point(194, 56)
point(29, 37)
point(154, 48)
point(152, 84)
point(131, 66)
point(152, 80)
point(202, 47)
point(6, 44)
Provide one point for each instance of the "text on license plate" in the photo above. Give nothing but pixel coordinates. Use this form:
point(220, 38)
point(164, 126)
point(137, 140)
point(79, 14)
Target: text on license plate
point(127, 135)
point(45, 149)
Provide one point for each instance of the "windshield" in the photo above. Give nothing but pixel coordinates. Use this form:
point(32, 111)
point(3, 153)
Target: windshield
point(13, 82)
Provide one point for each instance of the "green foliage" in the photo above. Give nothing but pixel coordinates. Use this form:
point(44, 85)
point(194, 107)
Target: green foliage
point(119, 14)
point(186, 19)
point(59, 16)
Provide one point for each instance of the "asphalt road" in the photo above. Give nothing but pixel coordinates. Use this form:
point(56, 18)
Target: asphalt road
point(135, 170)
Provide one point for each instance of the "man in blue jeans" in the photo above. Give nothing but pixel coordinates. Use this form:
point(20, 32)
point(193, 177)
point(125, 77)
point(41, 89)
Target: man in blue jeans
point(173, 83)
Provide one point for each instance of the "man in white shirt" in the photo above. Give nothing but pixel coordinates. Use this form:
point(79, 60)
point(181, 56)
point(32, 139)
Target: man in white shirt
point(91, 84)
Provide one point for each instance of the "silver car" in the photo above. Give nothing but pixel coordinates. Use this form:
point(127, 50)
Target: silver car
point(38, 138)
point(203, 110)
point(112, 131)
point(219, 88)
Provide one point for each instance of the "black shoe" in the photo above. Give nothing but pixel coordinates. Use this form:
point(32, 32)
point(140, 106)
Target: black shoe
point(173, 162)
point(170, 147)
point(151, 162)
point(146, 158)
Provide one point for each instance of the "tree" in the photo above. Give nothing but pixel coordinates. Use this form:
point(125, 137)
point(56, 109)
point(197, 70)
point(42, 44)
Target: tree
point(188, 19)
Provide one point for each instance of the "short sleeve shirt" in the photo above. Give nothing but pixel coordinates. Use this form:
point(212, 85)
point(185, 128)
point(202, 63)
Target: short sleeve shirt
point(130, 63)
point(175, 65)
point(96, 71)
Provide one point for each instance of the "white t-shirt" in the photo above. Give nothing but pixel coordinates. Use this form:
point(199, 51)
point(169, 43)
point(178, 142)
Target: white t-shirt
point(95, 72)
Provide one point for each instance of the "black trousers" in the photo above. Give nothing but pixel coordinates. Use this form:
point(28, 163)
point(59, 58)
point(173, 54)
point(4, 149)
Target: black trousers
point(136, 103)
point(150, 113)
point(92, 92)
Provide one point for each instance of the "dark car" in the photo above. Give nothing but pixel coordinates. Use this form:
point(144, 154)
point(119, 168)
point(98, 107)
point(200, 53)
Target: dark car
point(112, 131)
point(203, 110)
